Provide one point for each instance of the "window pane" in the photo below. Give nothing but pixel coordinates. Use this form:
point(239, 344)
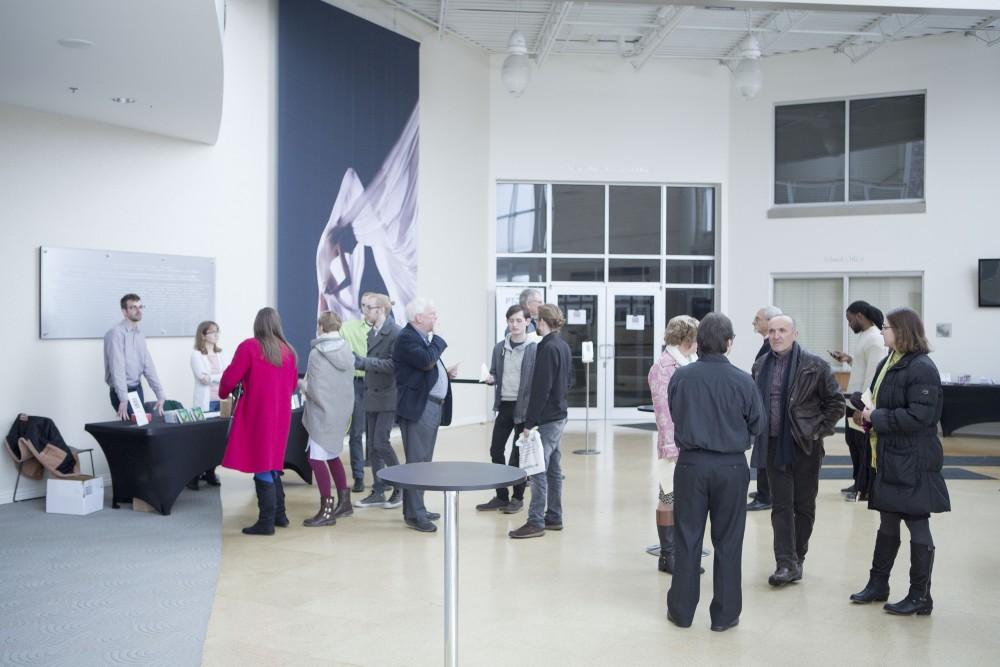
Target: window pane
point(887, 148)
point(817, 305)
point(578, 218)
point(634, 220)
point(520, 269)
point(690, 271)
point(809, 153)
point(694, 302)
point(690, 221)
point(584, 269)
point(634, 270)
point(634, 350)
point(885, 293)
point(574, 335)
point(520, 218)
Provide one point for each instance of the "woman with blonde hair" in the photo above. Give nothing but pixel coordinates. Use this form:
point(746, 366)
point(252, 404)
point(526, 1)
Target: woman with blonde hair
point(206, 366)
point(329, 387)
point(265, 366)
point(679, 349)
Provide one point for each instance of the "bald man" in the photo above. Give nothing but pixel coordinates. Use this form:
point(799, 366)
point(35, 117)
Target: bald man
point(802, 403)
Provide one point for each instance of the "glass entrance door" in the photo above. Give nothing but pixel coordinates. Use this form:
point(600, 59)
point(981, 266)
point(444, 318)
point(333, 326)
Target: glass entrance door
point(625, 325)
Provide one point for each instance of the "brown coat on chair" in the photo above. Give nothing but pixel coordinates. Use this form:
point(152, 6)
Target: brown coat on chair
point(36, 444)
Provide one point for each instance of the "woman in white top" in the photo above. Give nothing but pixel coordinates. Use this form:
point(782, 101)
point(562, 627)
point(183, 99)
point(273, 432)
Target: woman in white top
point(207, 365)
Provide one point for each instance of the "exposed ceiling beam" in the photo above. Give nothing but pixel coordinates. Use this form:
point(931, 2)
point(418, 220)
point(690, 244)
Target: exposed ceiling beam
point(666, 20)
point(767, 24)
point(784, 24)
point(442, 14)
point(550, 32)
point(890, 25)
point(984, 32)
point(417, 15)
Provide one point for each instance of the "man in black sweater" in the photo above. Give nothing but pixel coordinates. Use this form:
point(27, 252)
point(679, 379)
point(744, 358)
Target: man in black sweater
point(547, 411)
point(717, 414)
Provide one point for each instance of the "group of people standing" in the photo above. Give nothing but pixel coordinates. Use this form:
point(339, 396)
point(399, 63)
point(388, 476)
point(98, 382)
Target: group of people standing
point(709, 413)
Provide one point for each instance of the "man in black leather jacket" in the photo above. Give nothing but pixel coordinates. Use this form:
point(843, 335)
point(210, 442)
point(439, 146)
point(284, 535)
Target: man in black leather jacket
point(802, 403)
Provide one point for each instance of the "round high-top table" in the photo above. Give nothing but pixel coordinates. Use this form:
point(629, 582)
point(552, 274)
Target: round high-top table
point(451, 477)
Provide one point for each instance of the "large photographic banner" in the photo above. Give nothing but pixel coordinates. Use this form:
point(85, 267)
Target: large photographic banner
point(347, 166)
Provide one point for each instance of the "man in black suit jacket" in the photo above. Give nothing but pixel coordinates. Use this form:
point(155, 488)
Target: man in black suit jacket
point(380, 396)
point(423, 398)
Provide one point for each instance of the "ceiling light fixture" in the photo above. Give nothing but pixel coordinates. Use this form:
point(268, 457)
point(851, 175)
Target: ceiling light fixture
point(747, 75)
point(75, 43)
point(516, 70)
point(123, 100)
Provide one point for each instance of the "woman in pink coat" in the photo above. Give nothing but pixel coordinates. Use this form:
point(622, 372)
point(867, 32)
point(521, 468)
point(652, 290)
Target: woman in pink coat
point(678, 350)
point(266, 367)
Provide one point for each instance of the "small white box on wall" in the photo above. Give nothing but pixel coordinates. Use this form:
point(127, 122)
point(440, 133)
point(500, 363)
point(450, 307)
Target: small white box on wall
point(82, 495)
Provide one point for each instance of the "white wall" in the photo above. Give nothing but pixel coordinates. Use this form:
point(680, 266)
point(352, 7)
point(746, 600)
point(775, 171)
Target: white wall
point(961, 177)
point(74, 183)
point(66, 182)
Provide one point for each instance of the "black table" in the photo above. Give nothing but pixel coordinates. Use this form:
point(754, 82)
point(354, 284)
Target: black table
point(451, 477)
point(155, 462)
point(967, 404)
point(296, 456)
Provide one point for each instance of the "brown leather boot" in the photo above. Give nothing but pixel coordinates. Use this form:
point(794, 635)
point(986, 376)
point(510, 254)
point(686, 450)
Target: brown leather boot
point(344, 506)
point(325, 516)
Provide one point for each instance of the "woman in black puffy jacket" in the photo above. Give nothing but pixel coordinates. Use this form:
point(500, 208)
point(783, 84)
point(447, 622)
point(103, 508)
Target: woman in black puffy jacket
point(906, 463)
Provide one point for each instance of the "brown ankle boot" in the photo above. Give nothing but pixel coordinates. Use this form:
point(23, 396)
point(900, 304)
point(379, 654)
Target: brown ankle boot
point(344, 506)
point(325, 516)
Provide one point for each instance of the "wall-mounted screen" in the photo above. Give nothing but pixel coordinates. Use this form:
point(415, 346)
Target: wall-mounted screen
point(989, 283)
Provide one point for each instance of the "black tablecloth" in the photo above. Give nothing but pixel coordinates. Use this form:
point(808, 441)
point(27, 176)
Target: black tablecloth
point(155, 461)
point(967, 404)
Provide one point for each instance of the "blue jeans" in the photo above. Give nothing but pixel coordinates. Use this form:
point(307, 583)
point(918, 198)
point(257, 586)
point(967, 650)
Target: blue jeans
point(546, 487)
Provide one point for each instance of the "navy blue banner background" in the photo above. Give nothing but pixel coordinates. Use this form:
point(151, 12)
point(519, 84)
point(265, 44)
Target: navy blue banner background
point(346, 89)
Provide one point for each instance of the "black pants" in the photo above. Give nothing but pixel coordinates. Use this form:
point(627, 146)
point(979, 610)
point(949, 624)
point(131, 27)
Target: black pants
point(114, 397)
point(763, 486)
point(856, 441)
point(709, 486)
point(793, 502)
point(502, 428)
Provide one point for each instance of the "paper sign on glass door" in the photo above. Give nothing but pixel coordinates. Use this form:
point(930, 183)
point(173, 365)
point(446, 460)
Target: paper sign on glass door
point(576, 316)
point(635, 322)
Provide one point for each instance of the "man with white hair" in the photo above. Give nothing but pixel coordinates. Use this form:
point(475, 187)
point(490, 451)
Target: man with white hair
point(423, 398)
point(761, 498)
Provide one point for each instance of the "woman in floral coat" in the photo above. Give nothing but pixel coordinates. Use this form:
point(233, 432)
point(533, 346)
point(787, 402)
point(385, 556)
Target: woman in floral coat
point(679, 349)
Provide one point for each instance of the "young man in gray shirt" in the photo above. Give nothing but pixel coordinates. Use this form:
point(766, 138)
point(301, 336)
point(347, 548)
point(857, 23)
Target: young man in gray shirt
point(127, 359)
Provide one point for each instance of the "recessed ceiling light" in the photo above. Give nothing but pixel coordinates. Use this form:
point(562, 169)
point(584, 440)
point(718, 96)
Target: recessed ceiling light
point(74, 43)
point(123, 100)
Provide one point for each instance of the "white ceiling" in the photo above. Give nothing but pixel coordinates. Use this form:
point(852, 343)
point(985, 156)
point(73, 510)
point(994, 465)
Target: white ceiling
point(641, 31)
point(164, 54)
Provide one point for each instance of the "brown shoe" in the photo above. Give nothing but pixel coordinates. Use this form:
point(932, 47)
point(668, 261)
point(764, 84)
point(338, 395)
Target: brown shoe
point(526, 531)
point(324, 517)
point(344, 506)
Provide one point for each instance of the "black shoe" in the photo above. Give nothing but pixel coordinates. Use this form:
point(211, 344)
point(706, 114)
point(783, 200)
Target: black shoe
point(877, 589)
point(526, 531)
point(552, 525)
point(753, 495)
point(433, 516)
point(513, 507)
point(670, 617)
point(918, 601)
point(374, 499)
point(193, 484)
point(359, 485)
point(785, 575)
point(722, 627)
point(758, 505)
point(395, 500)
point(211, 478)
point(422, 526)
point(851, 490)
point(495, 503)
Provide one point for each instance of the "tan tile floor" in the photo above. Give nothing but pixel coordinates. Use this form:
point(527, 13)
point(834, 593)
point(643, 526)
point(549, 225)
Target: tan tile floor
point(369, 591)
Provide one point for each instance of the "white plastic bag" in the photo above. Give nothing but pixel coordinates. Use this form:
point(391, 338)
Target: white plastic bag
point(532, 456)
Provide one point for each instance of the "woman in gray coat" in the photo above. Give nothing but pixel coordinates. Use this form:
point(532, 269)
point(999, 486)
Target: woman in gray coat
point(329, 389)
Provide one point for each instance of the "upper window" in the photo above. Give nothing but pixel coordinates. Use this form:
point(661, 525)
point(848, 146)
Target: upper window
point(521, 215)
point(849, 151)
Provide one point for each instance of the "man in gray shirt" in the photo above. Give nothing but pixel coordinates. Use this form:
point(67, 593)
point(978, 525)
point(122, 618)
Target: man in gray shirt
point(127, 359)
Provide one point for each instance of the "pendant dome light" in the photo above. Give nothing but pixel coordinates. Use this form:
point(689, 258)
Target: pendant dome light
point(747, 75)
point(516, 70)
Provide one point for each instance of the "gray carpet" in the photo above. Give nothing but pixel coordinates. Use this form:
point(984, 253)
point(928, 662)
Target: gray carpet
point(116, 587)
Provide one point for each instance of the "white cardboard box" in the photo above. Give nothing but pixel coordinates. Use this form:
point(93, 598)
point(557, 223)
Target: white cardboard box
point(83, 495)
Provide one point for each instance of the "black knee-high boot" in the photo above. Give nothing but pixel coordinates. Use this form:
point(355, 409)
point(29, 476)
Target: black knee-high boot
point(918, 601)
point(280, 517)
point(666, 563)
point(886, 548)
point(265, 508)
